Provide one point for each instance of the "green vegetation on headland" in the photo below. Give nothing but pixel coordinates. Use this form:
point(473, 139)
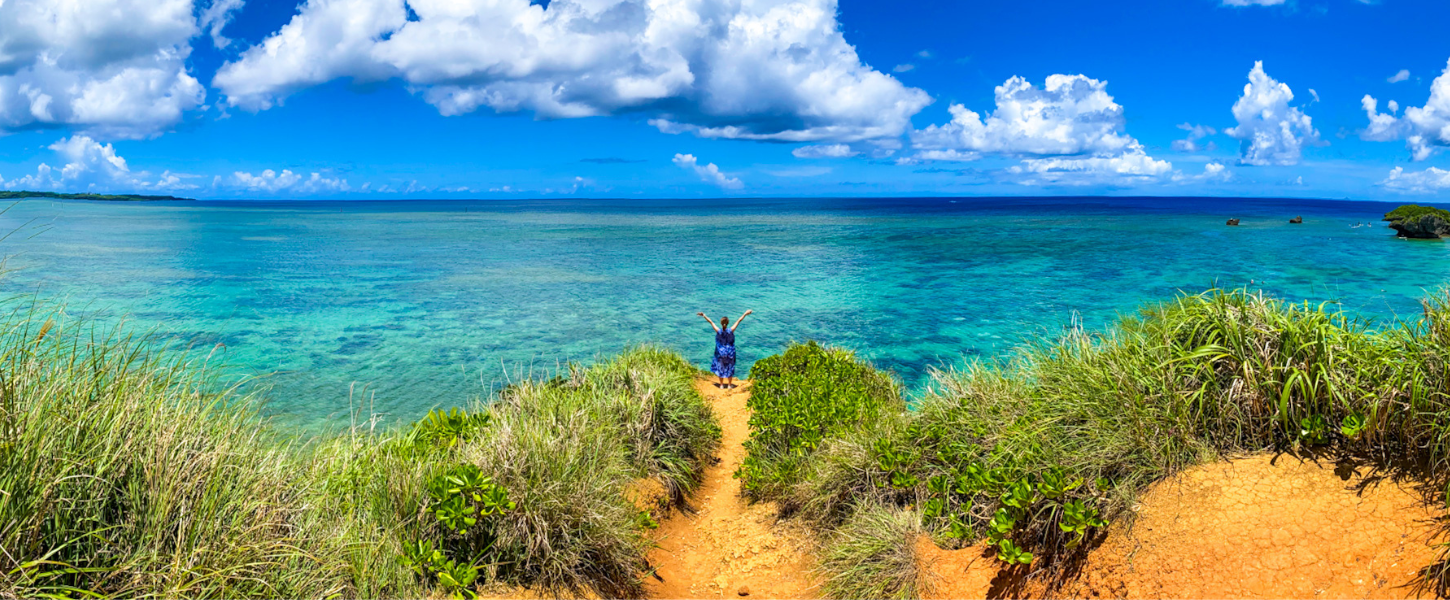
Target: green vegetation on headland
point(127, 471)
point(5, 195)
point(1410, 211)
point(1415, 221)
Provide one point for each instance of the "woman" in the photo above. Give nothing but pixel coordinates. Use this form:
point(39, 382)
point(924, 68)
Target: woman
point(723, 365)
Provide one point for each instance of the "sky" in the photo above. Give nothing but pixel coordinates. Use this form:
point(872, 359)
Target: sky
point(396, 99)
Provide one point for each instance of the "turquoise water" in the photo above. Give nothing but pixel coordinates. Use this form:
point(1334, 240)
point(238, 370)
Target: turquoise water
point(432, 303)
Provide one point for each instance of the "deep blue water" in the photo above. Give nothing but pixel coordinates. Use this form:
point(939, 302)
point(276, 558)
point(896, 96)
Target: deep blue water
point(430, 303)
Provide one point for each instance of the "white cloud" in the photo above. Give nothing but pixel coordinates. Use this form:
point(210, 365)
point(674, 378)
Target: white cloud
point(765, 69)
point(1252, 2)
point(215, 17)
point(1398, 77)
point(111, 68)
point(1195, 133)
point(1071, 119)
point(1417, 182)
point(941, 155)
point(925, 54)
point(709, 173)
point(1271, 131)
point(902, 68)
point(272, 182)
point(1132, 166)
point(1212, 172)
point(1072, 114)
point(1424, 128)
point(1215, 170)
point(824, 151)
point(90, 166)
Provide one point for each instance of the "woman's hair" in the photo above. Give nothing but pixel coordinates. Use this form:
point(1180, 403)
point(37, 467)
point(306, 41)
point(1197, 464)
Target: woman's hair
point(724, 321)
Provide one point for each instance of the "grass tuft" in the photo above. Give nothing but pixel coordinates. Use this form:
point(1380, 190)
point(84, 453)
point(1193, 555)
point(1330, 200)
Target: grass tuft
point(873, 555)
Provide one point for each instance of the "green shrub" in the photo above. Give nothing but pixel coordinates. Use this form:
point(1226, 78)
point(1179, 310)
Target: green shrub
point(798, 400)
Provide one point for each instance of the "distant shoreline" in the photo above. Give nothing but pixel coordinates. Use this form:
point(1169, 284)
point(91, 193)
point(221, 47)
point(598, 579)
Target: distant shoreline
point(102, 197)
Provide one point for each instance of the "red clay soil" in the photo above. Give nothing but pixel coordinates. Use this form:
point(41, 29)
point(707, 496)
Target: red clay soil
point(723, 544)
point(1258, 527)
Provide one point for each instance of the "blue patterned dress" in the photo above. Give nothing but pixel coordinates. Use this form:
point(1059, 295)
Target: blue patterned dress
point(723, 365)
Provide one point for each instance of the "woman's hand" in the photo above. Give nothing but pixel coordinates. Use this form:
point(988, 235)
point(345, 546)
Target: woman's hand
point(700, 314)
point(748, 312)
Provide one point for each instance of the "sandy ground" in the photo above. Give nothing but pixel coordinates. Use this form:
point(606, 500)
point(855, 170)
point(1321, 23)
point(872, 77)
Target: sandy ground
point(721, 543)
point(1258, 527)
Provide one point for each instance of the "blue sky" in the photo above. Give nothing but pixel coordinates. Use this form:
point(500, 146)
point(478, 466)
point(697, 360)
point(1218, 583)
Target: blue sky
point(718, 98)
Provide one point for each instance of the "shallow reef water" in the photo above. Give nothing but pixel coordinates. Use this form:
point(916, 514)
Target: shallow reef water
point(413, 304)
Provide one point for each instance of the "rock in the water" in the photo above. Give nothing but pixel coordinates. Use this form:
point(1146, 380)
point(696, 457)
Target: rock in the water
point(1419, 222)
point(1296, 220)
point(1233, 221)
point(743, 591)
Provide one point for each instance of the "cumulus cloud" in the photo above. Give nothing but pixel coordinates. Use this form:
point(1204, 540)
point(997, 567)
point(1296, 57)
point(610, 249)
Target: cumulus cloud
point(272, 182)
point(1195, 133)
point(1070, 129)
point(1424, 128)
point(709, 172)
point(1271, 132)
point(111, 68)
point(1071, 114)
point(91, 166)
point(768, 69)
point(824, 151)
point(1430, 180)
point(1398, 77)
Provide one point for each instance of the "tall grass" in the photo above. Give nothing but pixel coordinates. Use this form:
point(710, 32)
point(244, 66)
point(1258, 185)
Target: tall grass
point(874, 555)
point(565, 450)
point(128, 469)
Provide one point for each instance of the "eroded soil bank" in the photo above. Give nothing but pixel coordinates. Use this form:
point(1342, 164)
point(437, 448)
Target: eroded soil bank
point(1257, 527)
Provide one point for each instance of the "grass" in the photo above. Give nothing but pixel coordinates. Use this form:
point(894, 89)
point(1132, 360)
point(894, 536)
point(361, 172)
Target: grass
point(873, 555)
point(128, 470)
point(1036, 454)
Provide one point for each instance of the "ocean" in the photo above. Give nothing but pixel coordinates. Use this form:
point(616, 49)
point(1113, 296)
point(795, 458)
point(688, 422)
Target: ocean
point(409, 305)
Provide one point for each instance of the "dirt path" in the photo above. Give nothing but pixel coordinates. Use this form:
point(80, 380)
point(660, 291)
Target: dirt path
point(1258, 527)
point(725, 543)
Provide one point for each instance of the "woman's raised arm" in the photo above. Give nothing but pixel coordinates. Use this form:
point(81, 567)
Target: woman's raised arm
point(742, 318)
point(712, 323)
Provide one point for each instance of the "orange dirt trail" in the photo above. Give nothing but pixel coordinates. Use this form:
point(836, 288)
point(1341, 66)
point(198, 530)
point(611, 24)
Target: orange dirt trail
point(1257, 527)
point(722, 543)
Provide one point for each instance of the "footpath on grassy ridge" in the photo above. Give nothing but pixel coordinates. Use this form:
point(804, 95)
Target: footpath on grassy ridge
point(721, 543)
point(1264, 526)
